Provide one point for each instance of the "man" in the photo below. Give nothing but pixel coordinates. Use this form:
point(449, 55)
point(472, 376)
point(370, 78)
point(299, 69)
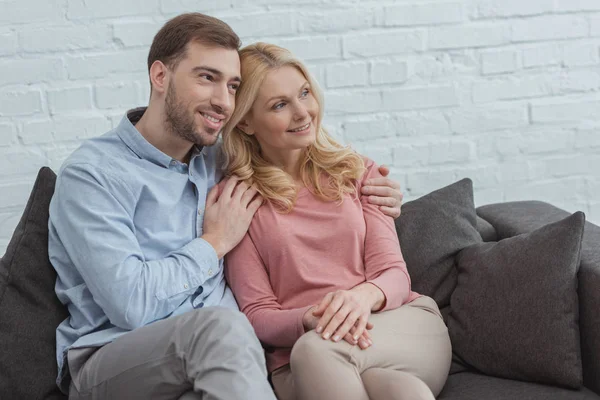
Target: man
point(138, 241)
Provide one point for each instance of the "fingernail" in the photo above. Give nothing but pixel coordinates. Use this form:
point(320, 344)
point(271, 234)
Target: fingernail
point(336, 338)
point(326, 335)
point(319, 329)
point(355, 338)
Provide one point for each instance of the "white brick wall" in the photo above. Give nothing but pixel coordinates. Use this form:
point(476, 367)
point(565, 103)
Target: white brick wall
point(506, 92)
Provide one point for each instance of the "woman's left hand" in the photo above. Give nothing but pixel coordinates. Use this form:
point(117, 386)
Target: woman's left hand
point(342, 310)
point(385, 193)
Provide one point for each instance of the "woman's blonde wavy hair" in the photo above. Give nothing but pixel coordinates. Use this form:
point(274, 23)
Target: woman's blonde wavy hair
point(325, 157)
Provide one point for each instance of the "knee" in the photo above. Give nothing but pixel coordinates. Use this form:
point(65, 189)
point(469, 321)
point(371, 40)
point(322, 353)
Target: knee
point(308, 349)
point(224, 325)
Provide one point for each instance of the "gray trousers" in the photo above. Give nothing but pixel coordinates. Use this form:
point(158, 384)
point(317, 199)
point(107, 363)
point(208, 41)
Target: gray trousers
point(210, 354)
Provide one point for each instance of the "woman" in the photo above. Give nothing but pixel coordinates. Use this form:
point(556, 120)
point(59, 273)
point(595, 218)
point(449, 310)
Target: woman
point(320, 273)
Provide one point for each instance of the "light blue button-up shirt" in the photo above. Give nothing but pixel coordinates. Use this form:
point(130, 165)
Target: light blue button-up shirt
point(124, 228)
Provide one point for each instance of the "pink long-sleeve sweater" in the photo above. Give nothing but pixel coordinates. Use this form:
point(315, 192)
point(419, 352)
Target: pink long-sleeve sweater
point(287, 263)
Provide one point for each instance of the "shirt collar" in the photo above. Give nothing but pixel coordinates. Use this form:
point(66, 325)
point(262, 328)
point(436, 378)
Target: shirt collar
point(138, 143)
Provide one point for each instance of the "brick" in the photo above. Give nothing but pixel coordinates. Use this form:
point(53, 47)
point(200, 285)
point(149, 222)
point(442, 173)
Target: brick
point(182, 6)
point(82, 9)
point(536, 28)
point(512, 88)
point(348, 102)
point(253, 25)
point(7, 134)
point(15, 194)
point(419, 183)
point(581, 55)
point(577, 5)
point(542, 56)
point(347, 74)
point(65, 38)
point(488, 119)
point(567, 166)
point(482, 175)
point(380, 154)
point(313, 48)
point(8, 223)
point(117, 95)
point(106, 65)
point(29, 71)
point(31, 11)
point(70, 99)
point(20, 162)
point(15, 103)
point(513, 8)
point(562, 111)
point(422, 123)
point(388, 43)
point(423, 14)
point(57, 156)
point(336, 20)
point(318, 72)
point(595, 25)
point(388, 71)
point(487, 196)
point(479, 35)
point(132, 34)
point(369, 128)
point(420, 97)
point(499, 61)
point(438, 152)
point(587, 138)
point(71, 128)
point(8, 43)
point(577, 81)
point(547, 141)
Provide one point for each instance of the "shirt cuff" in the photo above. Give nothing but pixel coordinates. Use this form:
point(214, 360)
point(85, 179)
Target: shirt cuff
point(395, 296)
point(205, 256)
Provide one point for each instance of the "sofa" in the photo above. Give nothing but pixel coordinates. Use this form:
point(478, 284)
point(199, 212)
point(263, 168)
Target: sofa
point(518, 284)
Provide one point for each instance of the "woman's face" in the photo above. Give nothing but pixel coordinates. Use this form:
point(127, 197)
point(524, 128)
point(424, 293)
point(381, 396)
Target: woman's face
point(284, 116)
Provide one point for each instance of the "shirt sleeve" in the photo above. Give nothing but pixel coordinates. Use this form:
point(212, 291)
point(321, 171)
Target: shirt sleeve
point(92, 215)
point(248, 278)
point(384, 264)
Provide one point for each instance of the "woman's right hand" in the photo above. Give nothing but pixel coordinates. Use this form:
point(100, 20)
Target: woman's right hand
point(364, 341)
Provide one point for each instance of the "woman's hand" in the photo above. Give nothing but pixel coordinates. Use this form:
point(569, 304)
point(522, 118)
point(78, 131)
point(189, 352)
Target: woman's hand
point(347, 312)
point(310, 322)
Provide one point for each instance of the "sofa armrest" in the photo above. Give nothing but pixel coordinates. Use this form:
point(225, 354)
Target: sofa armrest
point(514, 218)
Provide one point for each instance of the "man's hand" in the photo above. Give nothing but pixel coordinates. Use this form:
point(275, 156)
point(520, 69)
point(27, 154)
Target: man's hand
point(385, 193)
point(226, 219)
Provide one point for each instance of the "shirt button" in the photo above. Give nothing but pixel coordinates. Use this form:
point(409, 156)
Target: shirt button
point(199, 211)
point(210, 272)
point(173, 162)
point(185, 286)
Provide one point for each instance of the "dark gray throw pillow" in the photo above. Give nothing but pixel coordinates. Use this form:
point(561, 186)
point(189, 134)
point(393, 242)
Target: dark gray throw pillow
point(29, 308)
point(514, 313)
point(432, 230)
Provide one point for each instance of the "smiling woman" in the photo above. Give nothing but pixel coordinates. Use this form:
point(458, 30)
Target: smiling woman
point(319, 273)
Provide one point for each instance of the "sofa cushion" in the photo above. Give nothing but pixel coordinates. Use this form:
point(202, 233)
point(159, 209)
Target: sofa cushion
point(514, 313)
point(473, 386)
point(29, 308)
point(432, 230)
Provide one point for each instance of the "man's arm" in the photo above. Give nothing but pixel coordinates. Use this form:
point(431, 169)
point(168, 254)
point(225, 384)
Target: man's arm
point(97, 231)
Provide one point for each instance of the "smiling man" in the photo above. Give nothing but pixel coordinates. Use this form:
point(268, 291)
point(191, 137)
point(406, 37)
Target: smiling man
point(138, 233)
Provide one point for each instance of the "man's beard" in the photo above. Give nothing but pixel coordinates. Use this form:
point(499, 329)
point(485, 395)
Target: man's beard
point(181, 123)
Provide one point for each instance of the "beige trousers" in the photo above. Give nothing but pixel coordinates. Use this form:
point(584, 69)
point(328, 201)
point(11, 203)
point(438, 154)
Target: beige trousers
point(409, 360)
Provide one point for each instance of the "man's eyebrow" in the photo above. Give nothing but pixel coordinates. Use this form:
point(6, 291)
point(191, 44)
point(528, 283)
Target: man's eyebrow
point(214, 72)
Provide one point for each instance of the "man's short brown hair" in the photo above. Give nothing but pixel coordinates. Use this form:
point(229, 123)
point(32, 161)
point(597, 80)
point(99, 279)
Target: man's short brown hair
point(170, 43)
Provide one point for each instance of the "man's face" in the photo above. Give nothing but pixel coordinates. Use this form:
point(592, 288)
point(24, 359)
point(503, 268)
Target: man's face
point(200, 95)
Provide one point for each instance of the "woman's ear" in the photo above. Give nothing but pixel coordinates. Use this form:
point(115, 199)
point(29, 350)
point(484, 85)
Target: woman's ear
point(245, 127)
